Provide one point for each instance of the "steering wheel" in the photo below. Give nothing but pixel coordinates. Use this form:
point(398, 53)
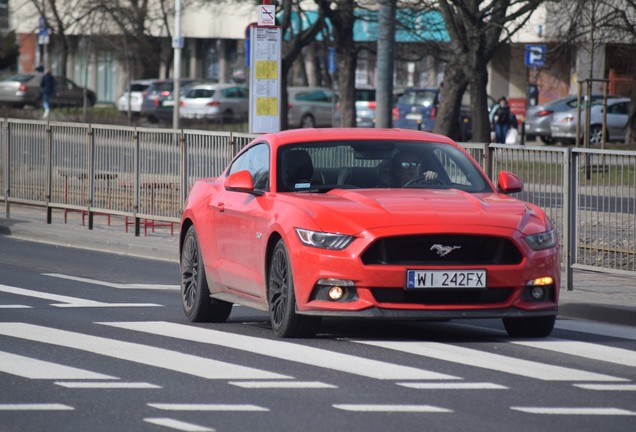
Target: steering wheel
point(420, 181)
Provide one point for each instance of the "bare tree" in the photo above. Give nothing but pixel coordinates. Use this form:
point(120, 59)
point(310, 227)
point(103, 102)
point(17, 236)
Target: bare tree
point(60, 18)
point(476, 28)
point(341, 15)
point(587, 24)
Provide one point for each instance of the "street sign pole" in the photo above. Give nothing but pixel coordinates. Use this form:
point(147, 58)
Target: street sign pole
point(177, 45)
point(265, 72)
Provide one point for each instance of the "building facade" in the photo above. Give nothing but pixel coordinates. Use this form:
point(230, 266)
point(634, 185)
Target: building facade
point(214, 48)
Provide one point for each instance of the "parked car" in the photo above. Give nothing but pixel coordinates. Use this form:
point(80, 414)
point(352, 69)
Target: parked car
point(220, 102)
point(563, 126)
point(134, 94)
point(24, 89)
point(309, 107)
point(417, 108)
point(365, 108)
point(333, 239)
point(539, 117)
point(158, 101)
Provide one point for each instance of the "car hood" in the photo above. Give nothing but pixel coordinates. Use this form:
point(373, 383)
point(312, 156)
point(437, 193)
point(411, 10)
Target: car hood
point(354, 211)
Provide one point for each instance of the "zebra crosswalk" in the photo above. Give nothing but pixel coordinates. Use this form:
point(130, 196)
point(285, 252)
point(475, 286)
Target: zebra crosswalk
point(251, 377)
point(256, 364)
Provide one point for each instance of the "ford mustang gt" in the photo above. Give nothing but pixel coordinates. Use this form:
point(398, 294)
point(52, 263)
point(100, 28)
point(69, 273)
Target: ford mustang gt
point(370, 223)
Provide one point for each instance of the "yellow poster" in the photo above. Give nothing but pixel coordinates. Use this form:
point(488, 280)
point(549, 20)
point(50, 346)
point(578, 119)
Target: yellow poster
point(266, 106)
point(266, 69)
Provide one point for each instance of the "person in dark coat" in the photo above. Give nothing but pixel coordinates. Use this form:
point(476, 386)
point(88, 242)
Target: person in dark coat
point(47, 89)
point(502, 120)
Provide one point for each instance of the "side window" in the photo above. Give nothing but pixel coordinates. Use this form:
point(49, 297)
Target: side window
point(233, 93)
point(619, 108)
point(256, 161)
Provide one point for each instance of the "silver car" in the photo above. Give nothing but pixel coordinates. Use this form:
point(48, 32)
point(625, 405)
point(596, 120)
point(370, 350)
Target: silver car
point(309, 107)
point(134, 95)
point(539, 117)
point(24, 89)
point(563, 125)
point(220, 102)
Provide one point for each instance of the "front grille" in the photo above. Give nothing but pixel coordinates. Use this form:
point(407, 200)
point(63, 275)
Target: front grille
point(442, 250)
point(441, 297)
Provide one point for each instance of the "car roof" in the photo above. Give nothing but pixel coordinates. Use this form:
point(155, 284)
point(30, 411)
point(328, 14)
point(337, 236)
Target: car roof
point(215, 85)
point(302, 88)
point(21, 77)
point(335, 134)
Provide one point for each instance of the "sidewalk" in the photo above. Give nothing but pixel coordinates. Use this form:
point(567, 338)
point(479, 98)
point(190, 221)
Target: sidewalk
point(596, 296)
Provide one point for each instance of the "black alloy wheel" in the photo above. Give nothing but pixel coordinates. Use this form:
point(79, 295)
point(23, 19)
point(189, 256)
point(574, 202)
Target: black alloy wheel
point(286, 323)
point(195, 294)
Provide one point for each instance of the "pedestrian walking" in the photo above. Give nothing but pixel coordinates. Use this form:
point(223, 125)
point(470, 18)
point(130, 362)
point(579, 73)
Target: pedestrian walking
point(47, 89)
point(503, 120)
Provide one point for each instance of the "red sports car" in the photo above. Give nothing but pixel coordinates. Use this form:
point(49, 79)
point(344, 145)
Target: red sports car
point(367, 223)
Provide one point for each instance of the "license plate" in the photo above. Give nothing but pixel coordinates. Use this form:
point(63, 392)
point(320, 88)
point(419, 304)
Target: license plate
point(445, 279)
point(412, 116)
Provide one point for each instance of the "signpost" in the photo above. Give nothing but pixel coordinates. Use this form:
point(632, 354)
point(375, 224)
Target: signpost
point(535, 55)
point(265, 72)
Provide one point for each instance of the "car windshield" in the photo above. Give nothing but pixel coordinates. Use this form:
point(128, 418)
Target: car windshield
point(21, 77)
point(199, 93)
point(418, 97)
point(138, 87)
point(323, 166)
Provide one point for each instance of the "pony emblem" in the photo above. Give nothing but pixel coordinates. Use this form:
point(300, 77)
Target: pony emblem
point(444, 250)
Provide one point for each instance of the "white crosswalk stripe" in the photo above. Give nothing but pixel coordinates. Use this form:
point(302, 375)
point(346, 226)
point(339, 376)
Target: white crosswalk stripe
point(114, 284)
point(66, 301)
point(286, 351)
point(177, 424)
point(584, 349)
point(138, 353)
point(27, 367)
point(486, 360)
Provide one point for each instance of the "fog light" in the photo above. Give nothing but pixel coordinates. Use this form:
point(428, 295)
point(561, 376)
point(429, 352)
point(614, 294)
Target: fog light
point(335, 293)
point(537, 293)
point(333, 289)
point(541, 281)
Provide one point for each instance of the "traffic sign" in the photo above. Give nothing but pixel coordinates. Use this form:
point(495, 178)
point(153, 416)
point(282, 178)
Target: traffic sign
point(331, 60)
point(177, 42)
point(535, 55)
point(266, 15)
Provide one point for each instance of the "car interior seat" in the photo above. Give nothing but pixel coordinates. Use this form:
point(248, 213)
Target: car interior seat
point(297, 170)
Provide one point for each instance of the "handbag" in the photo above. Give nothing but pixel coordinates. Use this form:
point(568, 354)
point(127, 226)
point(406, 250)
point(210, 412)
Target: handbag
point(511, 136)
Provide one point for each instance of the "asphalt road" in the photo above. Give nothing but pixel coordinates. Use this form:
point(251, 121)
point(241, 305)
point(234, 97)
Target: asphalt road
point(95, 341)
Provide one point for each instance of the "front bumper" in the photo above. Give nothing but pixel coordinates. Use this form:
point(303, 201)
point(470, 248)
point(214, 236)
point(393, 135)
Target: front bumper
point(381, 313)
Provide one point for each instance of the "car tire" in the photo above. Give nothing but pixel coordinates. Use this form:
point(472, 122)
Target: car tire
point(286, 323)
point(534, 327)
point(547, 140)
point(195, 293)
point(228, 116)
point(596, 136)
point(307, 121)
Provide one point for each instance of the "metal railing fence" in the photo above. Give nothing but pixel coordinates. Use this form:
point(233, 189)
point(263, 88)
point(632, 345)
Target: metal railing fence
point(145, 174)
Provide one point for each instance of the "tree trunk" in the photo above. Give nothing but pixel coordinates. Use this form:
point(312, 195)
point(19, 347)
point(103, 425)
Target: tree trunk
point(346, 55)
point(447, 121)
point(385, 62)
point(479, 103)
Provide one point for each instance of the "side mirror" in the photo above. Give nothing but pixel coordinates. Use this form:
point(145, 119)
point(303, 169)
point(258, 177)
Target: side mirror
point(508, 183)
point(241, 181)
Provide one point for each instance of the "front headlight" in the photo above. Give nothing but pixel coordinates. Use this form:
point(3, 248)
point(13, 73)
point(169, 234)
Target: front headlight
point(544, 240)
point(323, 240)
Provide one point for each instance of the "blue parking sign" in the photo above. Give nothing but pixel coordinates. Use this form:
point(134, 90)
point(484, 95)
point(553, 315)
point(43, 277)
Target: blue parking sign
point(535, 55)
